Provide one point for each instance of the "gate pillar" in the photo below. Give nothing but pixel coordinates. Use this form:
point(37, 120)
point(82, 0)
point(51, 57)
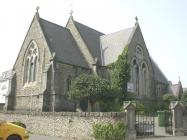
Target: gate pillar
point(129, 107)
point(177, 115)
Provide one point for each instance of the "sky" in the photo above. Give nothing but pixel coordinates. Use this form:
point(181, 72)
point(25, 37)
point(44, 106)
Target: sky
point(163, 24)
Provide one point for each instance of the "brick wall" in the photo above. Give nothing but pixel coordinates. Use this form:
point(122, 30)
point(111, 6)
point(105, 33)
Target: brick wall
point(68, 125)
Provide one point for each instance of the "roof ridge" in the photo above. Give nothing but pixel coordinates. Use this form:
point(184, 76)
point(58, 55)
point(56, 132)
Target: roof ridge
point(118, 31)
point(88, 27)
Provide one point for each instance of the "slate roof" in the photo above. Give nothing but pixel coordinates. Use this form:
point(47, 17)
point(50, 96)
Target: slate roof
point(62, 43)
point(175, 89)
point(92, 39)
point(106, 48)
point(159, 76)
point(113, 44)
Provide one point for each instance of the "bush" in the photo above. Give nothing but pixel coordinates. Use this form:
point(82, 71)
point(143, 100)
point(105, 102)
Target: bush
point(109, 131)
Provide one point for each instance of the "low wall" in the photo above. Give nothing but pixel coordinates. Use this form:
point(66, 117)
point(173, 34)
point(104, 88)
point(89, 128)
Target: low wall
point(185, 123)
point(68, 125)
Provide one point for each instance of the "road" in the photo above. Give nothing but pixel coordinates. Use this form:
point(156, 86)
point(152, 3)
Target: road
point(38, 137)
point(165, 138)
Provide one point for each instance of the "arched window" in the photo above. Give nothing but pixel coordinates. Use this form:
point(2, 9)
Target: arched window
point(144, 79)
point(30, 67)
point(135, 76)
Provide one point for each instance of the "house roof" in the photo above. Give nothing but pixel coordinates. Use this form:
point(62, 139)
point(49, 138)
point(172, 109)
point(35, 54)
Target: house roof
point(7, 75)
point(62, 43)
point(176, 89)
point(92, 39)
point(112, 45)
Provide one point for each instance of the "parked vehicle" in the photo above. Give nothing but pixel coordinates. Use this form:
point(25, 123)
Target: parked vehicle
point(10, 131)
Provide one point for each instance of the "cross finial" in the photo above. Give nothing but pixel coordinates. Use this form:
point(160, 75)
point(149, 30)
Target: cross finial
point(71, 9)
point(37, 9)
point(71, 13)
point(136, 18)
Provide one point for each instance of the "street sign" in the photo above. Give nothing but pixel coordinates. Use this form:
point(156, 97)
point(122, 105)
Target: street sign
point(130, 87)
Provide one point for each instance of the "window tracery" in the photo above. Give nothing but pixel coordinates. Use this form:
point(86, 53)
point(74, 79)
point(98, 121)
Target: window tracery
point(31, 57)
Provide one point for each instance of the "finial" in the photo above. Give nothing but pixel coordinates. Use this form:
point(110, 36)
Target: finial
point(179, 79)
point(37, 9)
point(136, 18)
point(71, 13)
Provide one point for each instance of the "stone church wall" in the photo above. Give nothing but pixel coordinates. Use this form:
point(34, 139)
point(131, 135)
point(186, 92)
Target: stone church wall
point(25, 93)
point(68, 125)
point(63, 73)
point(138, 41)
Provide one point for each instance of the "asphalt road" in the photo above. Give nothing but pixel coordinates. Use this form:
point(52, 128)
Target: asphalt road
point(166, 138)
point(39, 137)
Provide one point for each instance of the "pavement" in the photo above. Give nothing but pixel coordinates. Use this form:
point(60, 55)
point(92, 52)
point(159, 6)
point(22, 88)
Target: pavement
point(165, 138)
point(40, 137)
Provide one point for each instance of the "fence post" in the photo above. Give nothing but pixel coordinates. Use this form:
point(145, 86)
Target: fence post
point(177, 115)
point(129, 107)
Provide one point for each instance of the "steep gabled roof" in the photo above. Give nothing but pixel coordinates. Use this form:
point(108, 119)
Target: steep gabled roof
point(112, 45)
point(158, 74)
point(62, 43)
point(92, 39)
point(176, 89)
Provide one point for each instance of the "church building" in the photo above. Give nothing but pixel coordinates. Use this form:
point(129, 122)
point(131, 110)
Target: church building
point(52, 55)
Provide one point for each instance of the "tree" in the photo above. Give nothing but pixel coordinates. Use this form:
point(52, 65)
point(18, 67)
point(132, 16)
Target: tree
point(121, 74)
point(89, 87)
point(167, 98)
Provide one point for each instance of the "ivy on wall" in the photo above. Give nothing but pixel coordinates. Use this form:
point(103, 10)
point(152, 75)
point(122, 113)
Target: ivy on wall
point(120, 74)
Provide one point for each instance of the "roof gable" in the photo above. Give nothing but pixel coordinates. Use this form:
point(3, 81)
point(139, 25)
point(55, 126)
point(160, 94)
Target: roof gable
point(62, 43)
point(92, 39)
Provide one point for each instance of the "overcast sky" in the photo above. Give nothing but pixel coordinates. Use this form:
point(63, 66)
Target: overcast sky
point(163, 24)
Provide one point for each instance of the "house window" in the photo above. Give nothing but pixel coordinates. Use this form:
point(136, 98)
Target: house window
point(30, 67)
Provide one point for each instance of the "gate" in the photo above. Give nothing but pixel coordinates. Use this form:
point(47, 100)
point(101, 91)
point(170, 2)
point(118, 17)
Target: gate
point(168, 126)
point(145, 124)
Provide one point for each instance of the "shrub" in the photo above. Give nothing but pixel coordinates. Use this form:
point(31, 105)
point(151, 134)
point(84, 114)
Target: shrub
point(109, 131)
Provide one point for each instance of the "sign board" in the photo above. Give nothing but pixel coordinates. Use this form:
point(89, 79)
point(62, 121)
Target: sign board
point(130, 87)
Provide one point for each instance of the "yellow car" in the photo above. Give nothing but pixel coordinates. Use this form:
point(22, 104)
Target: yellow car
point(10, 131)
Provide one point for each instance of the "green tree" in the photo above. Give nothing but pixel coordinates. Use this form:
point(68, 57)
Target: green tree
point(89, 87)
point(121, 74)
point(167, 98)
